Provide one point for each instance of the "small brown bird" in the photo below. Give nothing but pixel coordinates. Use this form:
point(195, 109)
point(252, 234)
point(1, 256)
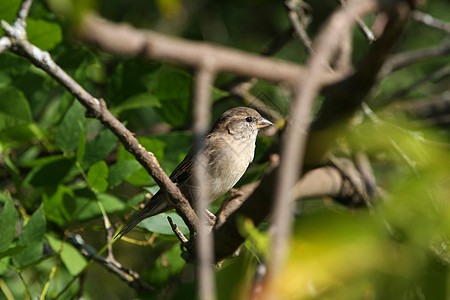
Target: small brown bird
point(229, 148)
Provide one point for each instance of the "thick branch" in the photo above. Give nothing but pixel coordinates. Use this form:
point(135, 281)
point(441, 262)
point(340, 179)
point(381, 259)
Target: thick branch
point(125, 40)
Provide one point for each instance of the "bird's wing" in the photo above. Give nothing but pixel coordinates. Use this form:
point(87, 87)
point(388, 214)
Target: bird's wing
point(156, 205)
point(184, 170)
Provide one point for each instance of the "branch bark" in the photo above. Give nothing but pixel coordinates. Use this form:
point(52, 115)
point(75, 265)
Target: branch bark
point(124, 40)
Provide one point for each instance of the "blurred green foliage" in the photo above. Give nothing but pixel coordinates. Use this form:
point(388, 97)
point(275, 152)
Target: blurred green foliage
point(61, 173)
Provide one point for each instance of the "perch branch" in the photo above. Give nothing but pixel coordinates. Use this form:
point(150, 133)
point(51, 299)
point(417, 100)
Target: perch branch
point(97, 108)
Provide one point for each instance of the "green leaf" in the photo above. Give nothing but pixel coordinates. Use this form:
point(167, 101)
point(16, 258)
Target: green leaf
point(159, 224)
point(136, 102)
point(169, 149)
point(70, 256)
point(69, 130)
point(121, 171)
point(98, 148)
point(54, 208)
point(14, 108)
point(167, 265)
point(8, 11)
point(97, 176)
point(51, 173)
point(43, 34)
point(83, 205)
point(7, 224)
point(12, 251)
point(173, 90)
point(32, 236)
point(81, 147)
point(141, 177)
point(130, 78)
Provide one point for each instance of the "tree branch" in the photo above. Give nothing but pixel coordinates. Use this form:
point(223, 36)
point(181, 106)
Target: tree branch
point(97, 108)
point(431, 21)
point(204, 79)
point(403, 60)
point(127, 275)
point(125, 40)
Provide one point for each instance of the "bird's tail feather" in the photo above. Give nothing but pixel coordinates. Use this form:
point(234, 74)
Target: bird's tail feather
point(152, 208)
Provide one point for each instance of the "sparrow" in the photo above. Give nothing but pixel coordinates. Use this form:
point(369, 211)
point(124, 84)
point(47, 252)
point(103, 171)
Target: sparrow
point(229, 147)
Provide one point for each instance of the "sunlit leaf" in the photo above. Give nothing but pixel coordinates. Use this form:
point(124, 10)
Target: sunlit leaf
point(121, 171)
point(45, 35)
point(70, 256)
point(97, 176)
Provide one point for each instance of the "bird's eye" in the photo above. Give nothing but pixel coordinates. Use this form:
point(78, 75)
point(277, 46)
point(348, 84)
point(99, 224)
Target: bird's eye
point(249, 119)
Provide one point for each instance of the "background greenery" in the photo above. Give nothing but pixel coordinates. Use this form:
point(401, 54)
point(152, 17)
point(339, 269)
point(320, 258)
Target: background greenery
point(60, 173)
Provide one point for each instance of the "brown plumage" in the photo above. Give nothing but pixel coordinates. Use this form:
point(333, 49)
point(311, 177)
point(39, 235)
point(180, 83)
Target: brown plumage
point(229, 148)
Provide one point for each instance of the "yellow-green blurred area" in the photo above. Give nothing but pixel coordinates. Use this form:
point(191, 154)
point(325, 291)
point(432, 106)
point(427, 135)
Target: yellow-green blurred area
point(399, 249)
point(63, 175)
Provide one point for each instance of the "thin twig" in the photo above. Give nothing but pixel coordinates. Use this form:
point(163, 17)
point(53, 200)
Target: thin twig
point(403, 60)
point(5, 43)
point(431, 21)
point(296, 9)
point(127, 275)
point(362, 26)
point(437, 75)
point(184, 241)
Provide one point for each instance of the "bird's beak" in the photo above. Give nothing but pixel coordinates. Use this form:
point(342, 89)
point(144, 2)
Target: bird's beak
point(263, 123)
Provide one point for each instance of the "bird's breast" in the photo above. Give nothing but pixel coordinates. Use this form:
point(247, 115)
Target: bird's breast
point(228, 165)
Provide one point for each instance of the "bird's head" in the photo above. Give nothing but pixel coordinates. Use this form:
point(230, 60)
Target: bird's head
point(241, 122)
